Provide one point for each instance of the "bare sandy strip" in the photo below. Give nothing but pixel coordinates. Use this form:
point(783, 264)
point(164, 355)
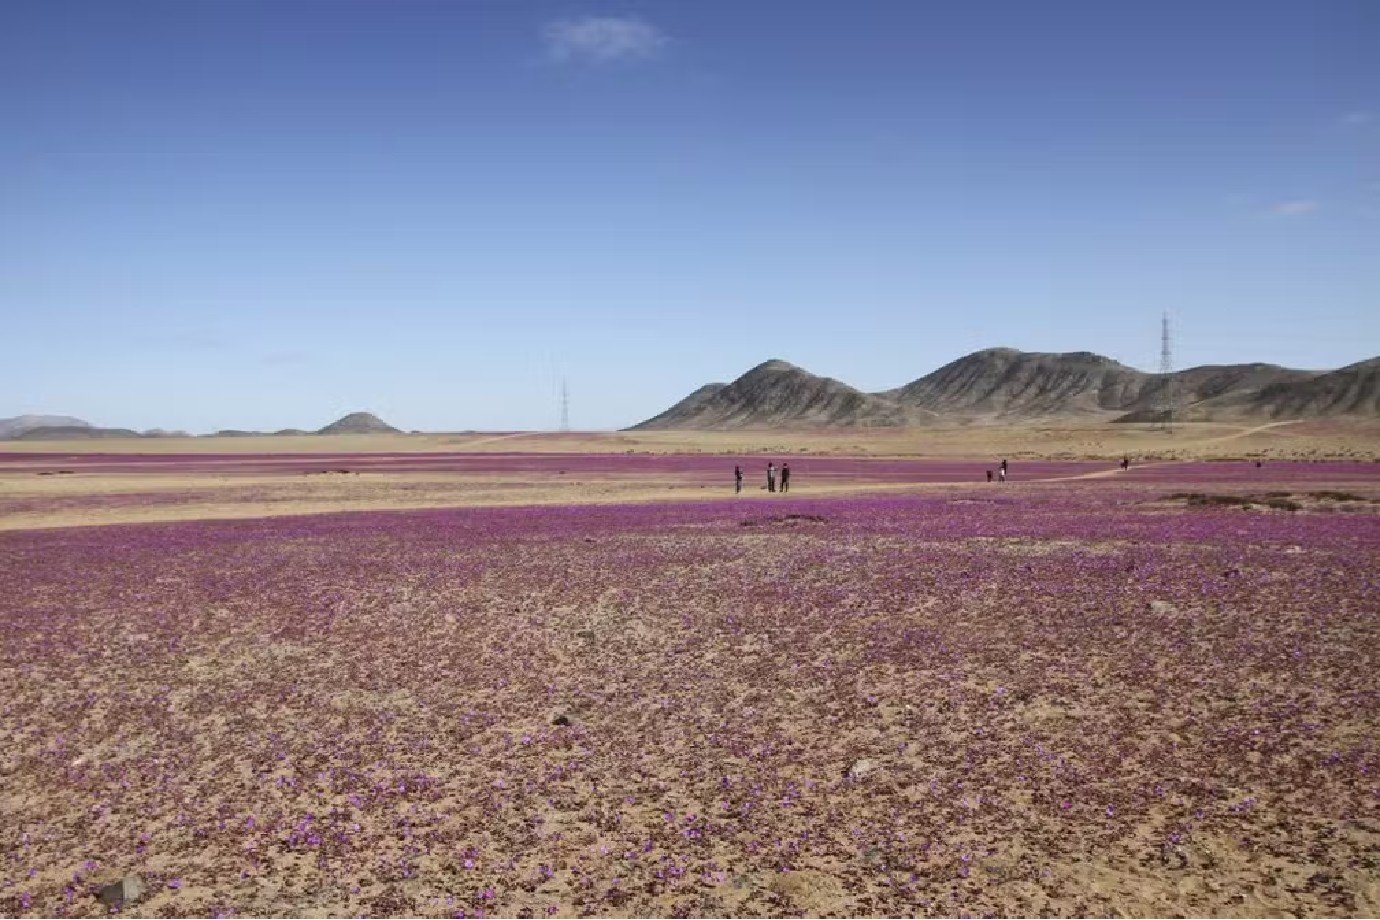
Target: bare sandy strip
point(1051, 440)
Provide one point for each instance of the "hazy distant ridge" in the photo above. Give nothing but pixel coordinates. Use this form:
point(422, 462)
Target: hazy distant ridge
point(13, 427)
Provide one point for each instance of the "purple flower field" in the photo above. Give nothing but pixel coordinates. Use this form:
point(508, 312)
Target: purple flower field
point(678, 466)
point(1066, 701)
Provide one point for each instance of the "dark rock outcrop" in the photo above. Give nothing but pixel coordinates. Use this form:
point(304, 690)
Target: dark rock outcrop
point(359, 423)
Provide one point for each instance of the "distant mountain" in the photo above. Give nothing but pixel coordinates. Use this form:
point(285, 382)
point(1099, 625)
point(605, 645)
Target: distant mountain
point(1007, 382)
point(1004, 384)
point(13, 427)
point(1212, 391)
point(1351, 390)
point(359, 423)
point(779, 394)
point(74, 433)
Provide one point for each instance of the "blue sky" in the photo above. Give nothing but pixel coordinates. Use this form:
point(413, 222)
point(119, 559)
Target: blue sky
point(264, 215)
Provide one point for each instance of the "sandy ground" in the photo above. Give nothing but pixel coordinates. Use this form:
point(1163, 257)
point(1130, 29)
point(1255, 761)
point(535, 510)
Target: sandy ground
point(30, 499)
point(79, 501)
point(1279, 440)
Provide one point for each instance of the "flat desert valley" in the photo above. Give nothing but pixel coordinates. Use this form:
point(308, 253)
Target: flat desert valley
point(573, 674)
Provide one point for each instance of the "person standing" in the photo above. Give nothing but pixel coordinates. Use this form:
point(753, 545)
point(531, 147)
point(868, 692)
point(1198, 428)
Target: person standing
point(1125, 463)
point(785, 477)
point(737, 479)
point(1003, 471)
point(771, 477)
point(989, 475)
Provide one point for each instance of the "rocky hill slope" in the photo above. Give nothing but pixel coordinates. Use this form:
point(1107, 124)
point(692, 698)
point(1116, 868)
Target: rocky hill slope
point(1007, 382)
point(779, 394)
point(1351, 390)
point(1007, 385)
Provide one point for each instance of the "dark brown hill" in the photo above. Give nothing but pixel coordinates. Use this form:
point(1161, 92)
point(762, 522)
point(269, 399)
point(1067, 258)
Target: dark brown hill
point(1351, 390)
point(1211, 392)
point(690, 408)
point(779, 394)
point(359, 423)
point(1004, 382)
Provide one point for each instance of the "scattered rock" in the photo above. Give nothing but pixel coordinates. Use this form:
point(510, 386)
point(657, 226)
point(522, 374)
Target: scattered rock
point(860, 769)
point(1173, 857)
point(561, 719)
point(126, 891)
point(1164, 608)
point(585, 634)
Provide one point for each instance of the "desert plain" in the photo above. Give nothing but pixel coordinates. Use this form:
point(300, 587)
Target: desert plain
point(575, 675)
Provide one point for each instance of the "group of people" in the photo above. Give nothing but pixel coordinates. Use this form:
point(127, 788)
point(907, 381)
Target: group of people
point(782, 477)
point(1001, 472)
point(785, 478)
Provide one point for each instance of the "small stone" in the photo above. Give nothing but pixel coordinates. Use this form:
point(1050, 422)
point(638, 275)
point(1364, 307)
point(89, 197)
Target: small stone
point(561, 720)
point(1173, 857)
point(126, 891)
point(861, 768)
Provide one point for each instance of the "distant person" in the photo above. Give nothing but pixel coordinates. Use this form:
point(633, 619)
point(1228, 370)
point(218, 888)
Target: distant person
point(1125, 464)
point(737, 479)
point(1258, 464)
point(771, 477)
point(785, 477)
point(989, 475)
point(1001, 473)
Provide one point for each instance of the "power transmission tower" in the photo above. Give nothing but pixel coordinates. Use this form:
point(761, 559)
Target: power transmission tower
point(565, 406)
point(1167, 394)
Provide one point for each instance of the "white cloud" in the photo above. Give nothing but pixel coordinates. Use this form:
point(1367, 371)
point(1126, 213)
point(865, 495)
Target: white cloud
point(1295, 208)
point(1358, 118)
point(603, 39)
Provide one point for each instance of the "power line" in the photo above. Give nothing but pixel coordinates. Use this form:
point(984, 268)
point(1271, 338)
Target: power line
point(1167, 394)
